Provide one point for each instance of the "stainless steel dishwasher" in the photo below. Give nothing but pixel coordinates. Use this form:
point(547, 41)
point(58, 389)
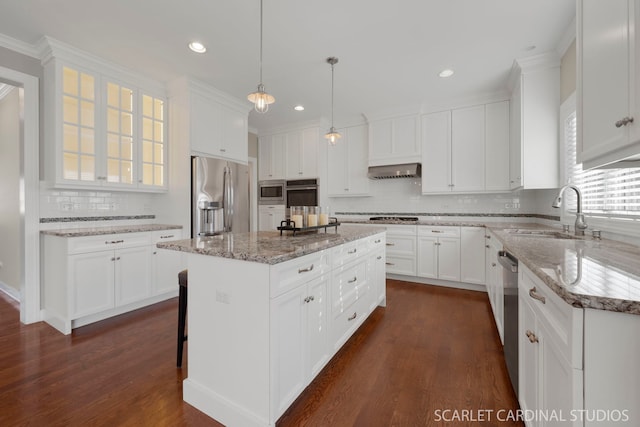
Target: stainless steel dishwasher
point(509, 265)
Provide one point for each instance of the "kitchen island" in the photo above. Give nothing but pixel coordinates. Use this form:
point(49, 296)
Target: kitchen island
point(267, 312)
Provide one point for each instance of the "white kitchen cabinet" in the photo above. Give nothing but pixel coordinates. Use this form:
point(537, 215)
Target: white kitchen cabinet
point(165, 264)
point(496, 154)
point(401, 250)
point(394, 140)
point(377, 271)
point(494, 281)
point(550, 352)
point(105, 128)
point(608, 85)
point(534, 109)
point(271, 161)
point(466, 150)
point(438, 254)
point(270, 216)
point(472, 255)
point(215, 124)
point(299, 337)
point(347, 164)
point(91, 278)
point(301, 153)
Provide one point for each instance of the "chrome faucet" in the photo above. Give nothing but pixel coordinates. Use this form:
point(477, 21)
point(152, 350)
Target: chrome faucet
point(580, 225)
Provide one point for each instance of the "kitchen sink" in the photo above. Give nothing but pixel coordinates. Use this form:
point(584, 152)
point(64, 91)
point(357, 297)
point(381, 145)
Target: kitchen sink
point(548, 234)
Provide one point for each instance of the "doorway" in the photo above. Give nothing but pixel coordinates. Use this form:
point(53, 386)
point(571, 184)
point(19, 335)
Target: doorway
point(27, 196)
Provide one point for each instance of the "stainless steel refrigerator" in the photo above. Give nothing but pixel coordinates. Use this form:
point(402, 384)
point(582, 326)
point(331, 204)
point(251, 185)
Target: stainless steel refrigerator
point(220, 196)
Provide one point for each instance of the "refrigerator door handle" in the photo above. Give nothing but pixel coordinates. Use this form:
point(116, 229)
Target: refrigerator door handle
point(228, 199)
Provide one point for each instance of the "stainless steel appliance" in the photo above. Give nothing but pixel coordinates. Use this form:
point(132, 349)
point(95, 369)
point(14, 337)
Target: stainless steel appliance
point(302, 192)
point(220, 196)
point(271, 192)
point(509, 265)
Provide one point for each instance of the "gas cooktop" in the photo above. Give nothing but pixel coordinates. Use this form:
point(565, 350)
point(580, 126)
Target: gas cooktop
point(393, 218)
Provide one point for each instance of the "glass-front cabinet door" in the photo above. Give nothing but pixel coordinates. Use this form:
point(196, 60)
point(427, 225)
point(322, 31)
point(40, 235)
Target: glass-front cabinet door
point(102, 130)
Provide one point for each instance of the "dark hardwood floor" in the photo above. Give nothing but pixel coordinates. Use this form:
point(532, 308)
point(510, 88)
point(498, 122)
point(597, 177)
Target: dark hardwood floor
point(432, 349)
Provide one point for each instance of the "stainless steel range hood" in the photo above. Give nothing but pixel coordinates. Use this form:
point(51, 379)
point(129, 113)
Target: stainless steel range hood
point(409, 170)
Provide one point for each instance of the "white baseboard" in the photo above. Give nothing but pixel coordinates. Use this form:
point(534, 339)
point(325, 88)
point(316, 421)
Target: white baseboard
point(438, 282)
point(12, 292)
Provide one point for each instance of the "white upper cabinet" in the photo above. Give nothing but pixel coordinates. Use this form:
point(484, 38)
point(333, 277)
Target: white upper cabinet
point(535, 107)
point(466, 150)
point(608, 87)
point(347, 164)
point(394, 140)
point(104, 127)
point(289, 155)
point(214, 123)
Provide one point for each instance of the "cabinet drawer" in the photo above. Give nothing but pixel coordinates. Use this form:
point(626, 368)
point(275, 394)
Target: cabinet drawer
point(563, 322)
point(447, 231)
point(348, 252)
point(289, 274)
point(377, 241)
point(348, 285)
point(166, 235)
point(409, 230)
point(78, 245)
point(346, 323)
point(400, 245)
point(400, 265)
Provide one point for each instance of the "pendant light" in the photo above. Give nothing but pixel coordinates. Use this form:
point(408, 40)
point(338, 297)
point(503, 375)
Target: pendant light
point(333, 135)
point(260, 98)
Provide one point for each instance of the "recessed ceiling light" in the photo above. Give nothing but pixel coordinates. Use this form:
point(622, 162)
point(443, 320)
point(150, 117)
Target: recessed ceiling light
point(299, 108)
point(197, 47)
point(446, 73)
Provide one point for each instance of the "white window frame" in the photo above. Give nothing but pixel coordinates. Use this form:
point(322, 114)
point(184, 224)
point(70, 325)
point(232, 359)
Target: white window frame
point(628, 226)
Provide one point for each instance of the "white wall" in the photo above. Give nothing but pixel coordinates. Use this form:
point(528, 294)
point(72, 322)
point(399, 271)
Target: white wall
point(404, 196)
point(10, 235)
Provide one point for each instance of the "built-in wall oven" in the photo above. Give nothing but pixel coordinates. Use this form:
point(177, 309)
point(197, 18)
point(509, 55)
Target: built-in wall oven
point(272, 192)
point(302, 192)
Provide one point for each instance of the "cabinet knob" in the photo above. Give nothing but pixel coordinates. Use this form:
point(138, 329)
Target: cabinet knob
point(487, 246)
point(624, 122)
point(493, 264)
point(155, 252)
point(379, 257)
point(532, 337)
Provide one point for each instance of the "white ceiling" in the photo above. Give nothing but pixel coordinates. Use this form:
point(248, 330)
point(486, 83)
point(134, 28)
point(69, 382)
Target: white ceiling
point(390, 52)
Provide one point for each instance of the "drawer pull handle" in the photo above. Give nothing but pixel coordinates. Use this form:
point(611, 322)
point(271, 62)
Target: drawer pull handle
point(167, 236)
point(437, 231)
point(304, 270)
point(377, 241)
point(390, 244)
point(487, 236)
point(532, 337)
point(113, 258)
point(309, 299)
point(353, 251)
point(487, 246)
point(389, 263)
point(352, 317)
point(355, 279)
point(493, 264)
point(624, 122)
point(533, 294)
point(113, 242)
point(155, 252)
point(379, 257)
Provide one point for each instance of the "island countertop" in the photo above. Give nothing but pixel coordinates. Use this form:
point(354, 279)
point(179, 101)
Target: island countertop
point(269, 247)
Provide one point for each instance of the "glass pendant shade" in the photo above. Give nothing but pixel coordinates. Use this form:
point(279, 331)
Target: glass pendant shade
point(333, 136)
point(261, 99)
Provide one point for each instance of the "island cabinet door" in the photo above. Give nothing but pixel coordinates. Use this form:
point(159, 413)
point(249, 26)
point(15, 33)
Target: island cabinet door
point(298, 341)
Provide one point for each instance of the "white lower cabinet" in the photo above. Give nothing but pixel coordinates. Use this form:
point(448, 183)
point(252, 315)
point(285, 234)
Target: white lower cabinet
point(165, 264)
point(299, 337)
point(270, 216)
point(472, 255)
point(90, 278)
point(550, 354)
point(494, 281)
point(401, 249)
point(439, 252)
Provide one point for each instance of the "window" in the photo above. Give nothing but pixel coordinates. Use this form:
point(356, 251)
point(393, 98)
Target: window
point(609, 195)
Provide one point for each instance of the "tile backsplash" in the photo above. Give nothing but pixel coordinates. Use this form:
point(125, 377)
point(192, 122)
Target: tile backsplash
point(404, 195)
point(56, 203)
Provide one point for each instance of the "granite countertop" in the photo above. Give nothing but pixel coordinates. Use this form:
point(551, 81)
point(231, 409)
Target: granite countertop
point(269, 247)
point(440, 223)
point(584, 272)
point(115, 229)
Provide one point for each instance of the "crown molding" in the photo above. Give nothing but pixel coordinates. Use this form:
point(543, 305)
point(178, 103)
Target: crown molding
point(184, 84)
point(529, 64)
point(18, 46)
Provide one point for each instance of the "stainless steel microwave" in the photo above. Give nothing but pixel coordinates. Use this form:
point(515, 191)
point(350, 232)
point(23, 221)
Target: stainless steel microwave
point(271, 192)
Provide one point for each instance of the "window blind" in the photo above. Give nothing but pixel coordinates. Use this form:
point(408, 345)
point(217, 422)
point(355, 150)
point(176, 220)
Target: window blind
point(609, 193)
